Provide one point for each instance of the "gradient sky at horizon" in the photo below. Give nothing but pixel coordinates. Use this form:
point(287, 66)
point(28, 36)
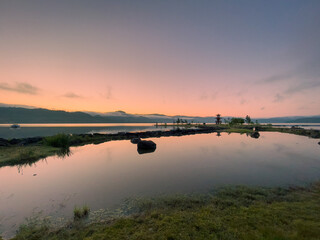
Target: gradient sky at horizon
point(204, 57)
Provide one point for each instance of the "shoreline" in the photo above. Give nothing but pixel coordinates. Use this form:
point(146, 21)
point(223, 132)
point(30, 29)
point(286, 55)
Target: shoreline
point(232, 212)
point(29, 150)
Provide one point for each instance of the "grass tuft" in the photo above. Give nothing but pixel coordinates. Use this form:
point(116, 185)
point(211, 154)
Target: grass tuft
point(60, 140)
point(81, 212)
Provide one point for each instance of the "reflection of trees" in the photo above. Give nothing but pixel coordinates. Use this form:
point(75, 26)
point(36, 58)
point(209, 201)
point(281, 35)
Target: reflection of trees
point(64, 152)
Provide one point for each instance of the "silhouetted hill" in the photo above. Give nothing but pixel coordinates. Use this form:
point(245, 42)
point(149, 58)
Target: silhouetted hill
point(40, 115)
point(315, 119)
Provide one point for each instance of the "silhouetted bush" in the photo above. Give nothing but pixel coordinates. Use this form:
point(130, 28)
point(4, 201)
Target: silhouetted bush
point(60, 140)
point(236, 121)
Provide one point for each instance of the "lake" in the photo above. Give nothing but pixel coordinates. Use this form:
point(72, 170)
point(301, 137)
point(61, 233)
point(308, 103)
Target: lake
point(315, 126)
point(103, 175)
point(42, 130)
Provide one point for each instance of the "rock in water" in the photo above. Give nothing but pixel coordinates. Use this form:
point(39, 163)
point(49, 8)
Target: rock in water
point(147, 145)
point(255, 135)
point(135, 140)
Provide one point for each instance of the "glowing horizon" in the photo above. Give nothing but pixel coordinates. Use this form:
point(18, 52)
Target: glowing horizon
point(198, 59)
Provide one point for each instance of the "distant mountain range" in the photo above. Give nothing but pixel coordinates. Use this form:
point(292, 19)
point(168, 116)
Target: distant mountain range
point(22, 114)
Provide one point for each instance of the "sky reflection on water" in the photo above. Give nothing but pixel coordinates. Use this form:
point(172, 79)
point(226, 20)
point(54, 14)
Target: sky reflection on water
point(101, 176)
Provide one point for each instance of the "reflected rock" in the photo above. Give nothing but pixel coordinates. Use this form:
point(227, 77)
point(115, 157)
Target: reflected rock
point(143, 151)
point(135, 140)
point(255, 135)
point(146, 147)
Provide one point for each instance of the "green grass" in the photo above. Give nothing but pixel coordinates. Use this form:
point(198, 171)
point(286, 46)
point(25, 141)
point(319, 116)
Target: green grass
point(10, 156)
point(238, 130)
point(234, 213)
point(81, 212)
point(60, 140)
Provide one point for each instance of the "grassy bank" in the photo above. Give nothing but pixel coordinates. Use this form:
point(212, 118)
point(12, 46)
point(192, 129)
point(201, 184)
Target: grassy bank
point(54, 145)
point(228, 214)
point(20, 155)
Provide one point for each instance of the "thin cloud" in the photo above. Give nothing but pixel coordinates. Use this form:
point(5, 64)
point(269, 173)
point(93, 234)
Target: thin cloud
point(295, 89)
point(243, 101)
point(20, 87)
point(109, 94)
point(16, 105)
point(302, 87)
point(203, 96)
point(214, 95)
point(72, 95)
point(241, 92)
point(278, 98)
point(275, 78)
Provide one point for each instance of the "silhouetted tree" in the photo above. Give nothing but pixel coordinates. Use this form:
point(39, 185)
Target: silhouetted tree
point(218, 119)
point(248, 119)
point(235, 121)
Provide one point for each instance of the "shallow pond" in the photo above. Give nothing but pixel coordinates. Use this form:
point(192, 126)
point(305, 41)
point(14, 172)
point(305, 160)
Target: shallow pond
point(101, 176)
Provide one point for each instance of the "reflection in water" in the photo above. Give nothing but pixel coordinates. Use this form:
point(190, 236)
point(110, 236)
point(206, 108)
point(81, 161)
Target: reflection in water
point(255, 134)
point(143, 151)
point(101, 176)
point(135, 140)
point(64, 152)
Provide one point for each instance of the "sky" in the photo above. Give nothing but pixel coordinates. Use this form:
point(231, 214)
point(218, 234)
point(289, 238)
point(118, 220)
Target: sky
point(188, 57)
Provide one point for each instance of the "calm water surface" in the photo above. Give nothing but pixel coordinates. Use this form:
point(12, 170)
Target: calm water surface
point(35, 130)
point(42, 130)
point(315, 126)
point(101, 176)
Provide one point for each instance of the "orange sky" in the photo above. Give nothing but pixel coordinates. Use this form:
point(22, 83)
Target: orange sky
point(162, 58)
